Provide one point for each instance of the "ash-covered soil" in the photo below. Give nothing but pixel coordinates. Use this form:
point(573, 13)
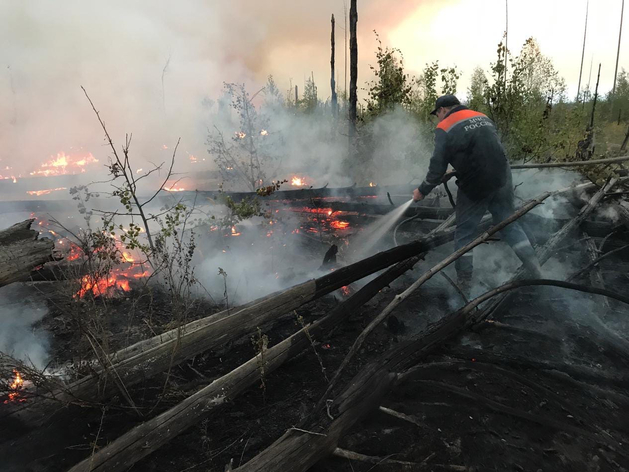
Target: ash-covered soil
point(544, 388)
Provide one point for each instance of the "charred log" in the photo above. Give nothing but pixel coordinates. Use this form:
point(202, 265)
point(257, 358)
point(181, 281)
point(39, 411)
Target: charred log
point(144, 439)
point(21, 251)
point(299, 449)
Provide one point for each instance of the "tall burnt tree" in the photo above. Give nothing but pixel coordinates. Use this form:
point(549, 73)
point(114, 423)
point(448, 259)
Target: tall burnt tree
point(353, 68)
point(332, 82)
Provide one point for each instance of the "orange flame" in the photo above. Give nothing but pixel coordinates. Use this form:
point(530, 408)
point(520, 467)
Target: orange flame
point(44, 192)
point(15, 386)
point(172, 188)
point(65, 164)
point(373, 184)
point(103, 286)
point(75, 252)
point(235, 231)
point(339, 224)
point(298, 181)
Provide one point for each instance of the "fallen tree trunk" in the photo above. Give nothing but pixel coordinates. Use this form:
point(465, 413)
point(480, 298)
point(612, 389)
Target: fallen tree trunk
point(591, 162)
point(154, 433)
point(21, 251)
point(142, 360)
point(436, 213)
point(427, 276)
point(300, 448)
point(149, 436)
point(308, 193)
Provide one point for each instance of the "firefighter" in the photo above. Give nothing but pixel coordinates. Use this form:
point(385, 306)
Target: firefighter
point(468, 141)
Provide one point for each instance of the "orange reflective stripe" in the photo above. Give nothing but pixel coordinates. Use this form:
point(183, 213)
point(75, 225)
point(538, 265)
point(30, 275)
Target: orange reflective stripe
point(457, 117)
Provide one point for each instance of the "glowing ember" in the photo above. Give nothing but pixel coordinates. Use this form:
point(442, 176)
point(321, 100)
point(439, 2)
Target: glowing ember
point(264, 132)
point(339, 224)
point(105, 286)
point(235, 231)
point(372, 184)
point(298, 181)
point(75, 252)
point(14, 387)
point(240, 134)
point(44, 192)
point(346, 291)
point(65, 164)
point(175, 189)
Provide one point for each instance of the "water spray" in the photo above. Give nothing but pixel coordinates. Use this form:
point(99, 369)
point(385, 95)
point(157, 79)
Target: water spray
point(376, 230)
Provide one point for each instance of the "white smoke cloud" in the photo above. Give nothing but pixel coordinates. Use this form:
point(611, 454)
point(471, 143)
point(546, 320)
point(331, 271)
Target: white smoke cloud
point(18, 337)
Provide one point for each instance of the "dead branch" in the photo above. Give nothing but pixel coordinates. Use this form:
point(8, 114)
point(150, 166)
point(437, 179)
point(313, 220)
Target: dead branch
point(295, 452)
point(592, 162)
point(425, 277)
point(355, 456)
point(402, 416)
point(595, 262)
point(460, 365)
point(549, 248)
point(149, 436)
point(543, 420)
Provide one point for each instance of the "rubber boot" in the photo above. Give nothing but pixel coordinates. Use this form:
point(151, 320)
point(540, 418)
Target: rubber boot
point(464, 269)
point(527, 255)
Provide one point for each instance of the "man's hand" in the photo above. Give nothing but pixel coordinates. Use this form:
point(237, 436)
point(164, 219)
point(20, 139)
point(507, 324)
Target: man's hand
point(417, 195)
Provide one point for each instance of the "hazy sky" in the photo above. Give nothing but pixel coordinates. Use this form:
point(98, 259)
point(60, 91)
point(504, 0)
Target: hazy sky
point(118, 50)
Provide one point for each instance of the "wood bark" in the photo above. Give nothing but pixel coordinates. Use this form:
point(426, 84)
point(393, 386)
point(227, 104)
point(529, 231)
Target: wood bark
point(300, 448)
point(306, 193)
point(149, 436)
point(353, 70)
point(623, 146)
point(21, 251)
point(333, 100)
point(142, 360)
point(145, 359)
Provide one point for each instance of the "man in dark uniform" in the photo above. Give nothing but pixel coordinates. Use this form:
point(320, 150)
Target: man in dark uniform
point(468, 141)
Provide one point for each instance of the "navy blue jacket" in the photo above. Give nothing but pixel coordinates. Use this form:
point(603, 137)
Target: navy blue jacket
point(468, 141)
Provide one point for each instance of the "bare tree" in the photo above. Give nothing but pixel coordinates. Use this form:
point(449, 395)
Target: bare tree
point(332, 82)
point(353, 51)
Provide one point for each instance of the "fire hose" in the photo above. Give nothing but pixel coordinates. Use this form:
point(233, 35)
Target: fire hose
point(444, 181)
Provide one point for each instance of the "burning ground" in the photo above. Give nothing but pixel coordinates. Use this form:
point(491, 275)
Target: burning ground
point(540, 384)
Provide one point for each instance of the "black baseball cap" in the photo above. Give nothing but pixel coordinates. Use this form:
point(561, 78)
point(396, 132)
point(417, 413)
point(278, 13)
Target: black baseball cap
point(445, 101)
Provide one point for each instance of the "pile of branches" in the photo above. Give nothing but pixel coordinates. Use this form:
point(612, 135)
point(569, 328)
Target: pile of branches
point(343, 404)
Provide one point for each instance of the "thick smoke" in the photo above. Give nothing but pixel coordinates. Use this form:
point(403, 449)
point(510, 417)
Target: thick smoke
point(148, 68)
point(18, 338)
